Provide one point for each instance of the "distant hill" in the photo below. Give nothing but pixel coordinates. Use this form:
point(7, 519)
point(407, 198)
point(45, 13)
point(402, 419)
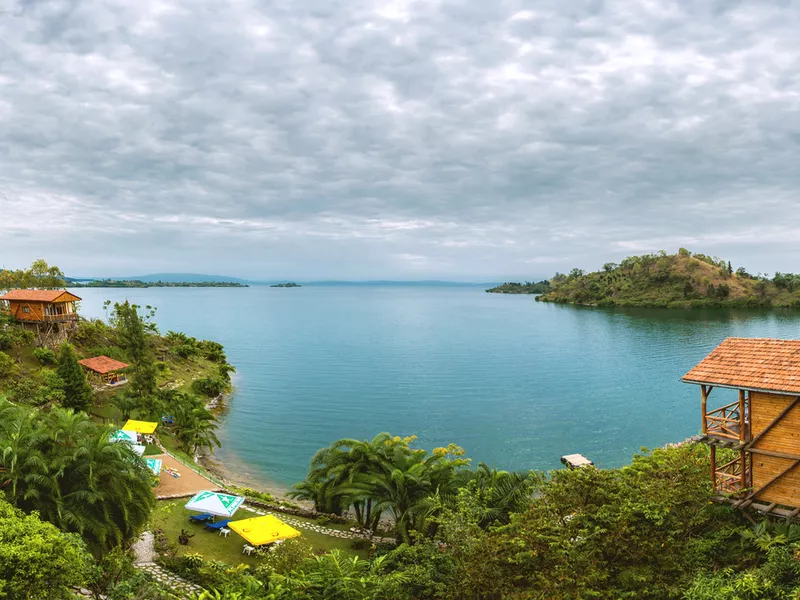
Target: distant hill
point(675, 281)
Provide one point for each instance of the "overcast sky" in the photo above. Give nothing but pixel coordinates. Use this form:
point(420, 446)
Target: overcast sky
point(402, 139)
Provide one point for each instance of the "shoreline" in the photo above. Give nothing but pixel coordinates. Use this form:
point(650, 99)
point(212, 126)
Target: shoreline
point(207, 459)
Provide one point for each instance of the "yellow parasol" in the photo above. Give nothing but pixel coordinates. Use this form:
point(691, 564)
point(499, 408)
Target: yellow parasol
point(140, 426)
point(263, 530)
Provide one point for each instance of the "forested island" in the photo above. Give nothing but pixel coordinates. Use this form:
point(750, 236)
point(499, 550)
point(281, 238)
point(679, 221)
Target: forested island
point(681, 280)
point(136, 283)
point(529, 287)
point(290, 284)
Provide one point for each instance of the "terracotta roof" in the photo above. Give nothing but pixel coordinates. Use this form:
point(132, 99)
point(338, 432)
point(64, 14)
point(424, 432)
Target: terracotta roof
point(753, 364)
point(102, 364)
point(39, 295)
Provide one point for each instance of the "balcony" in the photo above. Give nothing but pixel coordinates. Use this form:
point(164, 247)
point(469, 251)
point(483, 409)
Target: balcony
point(730, 478)
point(725, 423)
point(60, 318)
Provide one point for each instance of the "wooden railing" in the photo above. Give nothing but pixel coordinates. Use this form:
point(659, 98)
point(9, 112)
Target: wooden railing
point(728, 478)
point(62, 317)
point(725, 422)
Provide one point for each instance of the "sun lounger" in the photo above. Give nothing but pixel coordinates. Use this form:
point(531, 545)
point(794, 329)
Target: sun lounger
point(201, 518)
point(218, 525)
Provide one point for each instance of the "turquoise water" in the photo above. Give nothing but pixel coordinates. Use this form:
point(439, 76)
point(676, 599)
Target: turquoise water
point(515, 382)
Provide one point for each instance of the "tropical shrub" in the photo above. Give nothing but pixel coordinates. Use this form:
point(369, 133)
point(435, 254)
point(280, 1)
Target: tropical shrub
point(7, 366)
point(209, 386)
point(45, 356)
point(36, 559)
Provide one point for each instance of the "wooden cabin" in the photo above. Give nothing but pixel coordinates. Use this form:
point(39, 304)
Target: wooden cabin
point(104, 370)
point(41, 306)
point(760, 429)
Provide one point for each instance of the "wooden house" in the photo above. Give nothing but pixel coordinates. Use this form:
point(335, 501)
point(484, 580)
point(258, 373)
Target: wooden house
point(761, 429)
point(104, 370)
point(47, 312)
point(40, 306)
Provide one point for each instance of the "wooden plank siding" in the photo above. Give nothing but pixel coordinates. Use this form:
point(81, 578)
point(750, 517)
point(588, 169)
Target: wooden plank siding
point(784, 437)
point(36, 310)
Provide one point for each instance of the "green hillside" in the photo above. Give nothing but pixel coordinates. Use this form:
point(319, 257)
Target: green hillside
point(682, 280)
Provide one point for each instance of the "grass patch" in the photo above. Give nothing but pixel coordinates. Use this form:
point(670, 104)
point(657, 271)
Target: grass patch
point(152, 450)
point(171, 516)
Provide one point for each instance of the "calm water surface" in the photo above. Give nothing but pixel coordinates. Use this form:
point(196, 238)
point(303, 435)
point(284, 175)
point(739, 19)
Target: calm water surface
point(515, 382)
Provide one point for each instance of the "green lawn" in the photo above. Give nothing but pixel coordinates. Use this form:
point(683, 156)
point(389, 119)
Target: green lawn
point(171, 516)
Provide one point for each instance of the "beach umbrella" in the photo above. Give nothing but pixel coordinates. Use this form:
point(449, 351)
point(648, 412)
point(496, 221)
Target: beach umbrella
point(146, 427)
point(221, 505)
point(263, 530)
point(138, 449)
point(124, 435)
point(154, 464)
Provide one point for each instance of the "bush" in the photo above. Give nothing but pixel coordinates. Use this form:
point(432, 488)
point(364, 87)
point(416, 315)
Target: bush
point(36, 559)
point(209, 386)
point(45, 356)
point(185, 350)
point(7, 366)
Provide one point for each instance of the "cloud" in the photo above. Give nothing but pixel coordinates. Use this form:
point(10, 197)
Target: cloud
point(452, 139)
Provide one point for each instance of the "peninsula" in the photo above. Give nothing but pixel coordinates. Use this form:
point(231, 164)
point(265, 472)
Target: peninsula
point(681, 280)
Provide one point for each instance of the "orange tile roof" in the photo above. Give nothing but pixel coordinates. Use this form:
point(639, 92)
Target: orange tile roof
point(102, 364)
point(751, 363)
point(38, 295)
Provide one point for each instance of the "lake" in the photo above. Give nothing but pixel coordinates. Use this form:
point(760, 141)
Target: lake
point(515, 382)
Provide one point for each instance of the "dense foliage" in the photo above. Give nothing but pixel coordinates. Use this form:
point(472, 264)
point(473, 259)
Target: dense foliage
point(386, 475)
point(648, 530)
point(63, 465)
point(529, 287)
point(678, 280)
point(38, 275)
point(36, 559)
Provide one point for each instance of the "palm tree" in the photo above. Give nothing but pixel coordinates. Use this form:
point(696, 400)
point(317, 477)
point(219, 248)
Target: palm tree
point(195, 427)
point(106, 494)
point(125, 403)
point(500, 493)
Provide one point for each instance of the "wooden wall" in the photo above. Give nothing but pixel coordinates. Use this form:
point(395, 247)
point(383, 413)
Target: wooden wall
point(36, 310)
point(783, 437)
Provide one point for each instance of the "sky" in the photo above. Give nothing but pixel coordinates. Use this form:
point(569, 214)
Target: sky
point(396, 139)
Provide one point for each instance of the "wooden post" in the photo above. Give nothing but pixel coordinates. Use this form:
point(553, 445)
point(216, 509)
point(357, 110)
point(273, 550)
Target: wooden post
point(714, 468)
point(703, 402)
point(743, 476)
point(741, 416)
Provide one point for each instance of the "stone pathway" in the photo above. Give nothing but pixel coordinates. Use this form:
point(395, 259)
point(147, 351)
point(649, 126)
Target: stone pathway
point(144, 561)
point(294, 522)
point(169, 579)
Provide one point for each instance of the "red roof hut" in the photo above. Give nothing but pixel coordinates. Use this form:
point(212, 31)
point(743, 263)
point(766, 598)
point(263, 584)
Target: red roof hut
point(104, 369)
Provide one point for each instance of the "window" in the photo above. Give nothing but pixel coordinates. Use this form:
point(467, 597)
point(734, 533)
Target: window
point(26, 309)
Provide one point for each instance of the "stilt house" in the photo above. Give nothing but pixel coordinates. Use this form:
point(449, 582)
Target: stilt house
point(49, 313)
point(761, 429)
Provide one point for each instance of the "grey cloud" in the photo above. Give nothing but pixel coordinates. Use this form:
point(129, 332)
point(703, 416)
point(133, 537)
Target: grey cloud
point(401, 138)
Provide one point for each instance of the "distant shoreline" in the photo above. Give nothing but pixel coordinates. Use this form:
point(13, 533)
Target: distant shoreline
point(136, 283)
